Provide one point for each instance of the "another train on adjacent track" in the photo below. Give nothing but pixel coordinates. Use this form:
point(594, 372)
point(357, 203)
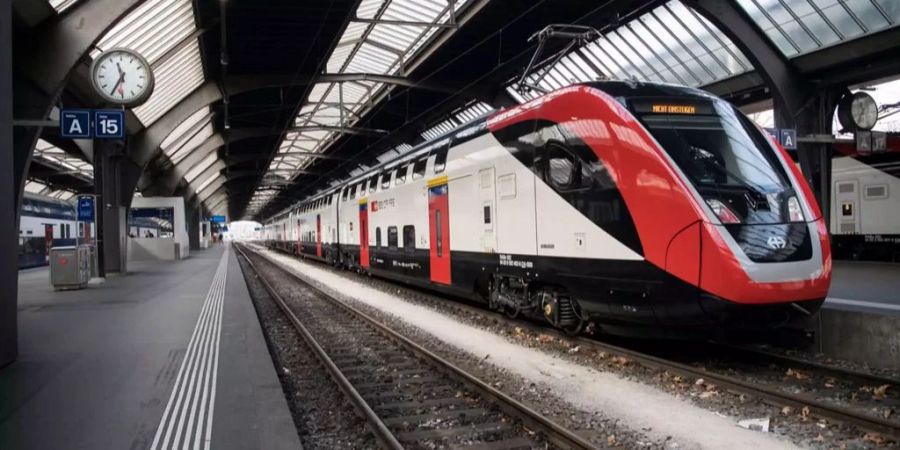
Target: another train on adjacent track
point(642, 208)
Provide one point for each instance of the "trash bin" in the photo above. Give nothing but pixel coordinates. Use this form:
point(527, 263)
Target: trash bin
point(70, 267)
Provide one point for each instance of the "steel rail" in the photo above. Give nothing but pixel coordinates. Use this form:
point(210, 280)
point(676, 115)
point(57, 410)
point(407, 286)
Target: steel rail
point(770, 395)
point(383, 435)
point(809, 364)
point(553, 432)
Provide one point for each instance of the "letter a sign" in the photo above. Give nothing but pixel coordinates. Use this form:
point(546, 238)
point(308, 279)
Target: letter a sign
point(75, 124)
point(789, 138)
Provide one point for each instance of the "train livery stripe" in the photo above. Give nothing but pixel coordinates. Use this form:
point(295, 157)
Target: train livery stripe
point(188, 417)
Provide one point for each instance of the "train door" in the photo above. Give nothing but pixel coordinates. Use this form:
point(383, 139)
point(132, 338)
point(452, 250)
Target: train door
point(487, 195)
point(319, 235)
point(363, 233)
point(846, 207)
point(439, 230)
point(48, 240)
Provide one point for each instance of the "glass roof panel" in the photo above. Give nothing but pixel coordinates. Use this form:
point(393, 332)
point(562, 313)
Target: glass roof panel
point(50, 155)
point(802, 26)
point(191, 144)
point(35, 187)
point(62, 5)
point(183, 131)
point(199, 168)
point(386, 34)
point(671, 43)
point(176, 78)
point(206, 183)
point(151, 29)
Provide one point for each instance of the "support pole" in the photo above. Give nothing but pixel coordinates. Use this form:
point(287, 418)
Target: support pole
point(8, 192)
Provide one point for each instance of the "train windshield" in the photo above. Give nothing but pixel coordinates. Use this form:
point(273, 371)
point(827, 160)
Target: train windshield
point(726, 158)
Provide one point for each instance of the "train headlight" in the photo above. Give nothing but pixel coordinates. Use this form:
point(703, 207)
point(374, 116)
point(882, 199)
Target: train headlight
point(795, 213)
point(723, 212)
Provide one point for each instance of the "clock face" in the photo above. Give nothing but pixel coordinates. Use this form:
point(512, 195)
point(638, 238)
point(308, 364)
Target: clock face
point(864, 111)
point(122, 77)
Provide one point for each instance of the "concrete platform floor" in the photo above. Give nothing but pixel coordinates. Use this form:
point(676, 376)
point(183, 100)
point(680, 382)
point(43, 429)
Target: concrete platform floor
point(172, 349)
point(871, 287)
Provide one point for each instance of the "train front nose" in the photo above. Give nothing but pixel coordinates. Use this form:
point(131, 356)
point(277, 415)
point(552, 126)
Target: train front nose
point(764, 271)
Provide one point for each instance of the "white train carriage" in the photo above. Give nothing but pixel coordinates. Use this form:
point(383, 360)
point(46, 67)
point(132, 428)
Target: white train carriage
point(865, 210)
point(614, 202)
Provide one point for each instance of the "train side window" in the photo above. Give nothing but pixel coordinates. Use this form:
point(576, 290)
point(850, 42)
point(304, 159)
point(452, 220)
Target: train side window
point(386, 180)
point(439, 233)
point(392, 238)
point(378, 237)
point(440, 159)
point(344, 194)
point(409, 238)
point(352, 192)
point(401, 175)
point(487, 214)
point(419, 168)
point(362, 189)
point(373, 183)
point(564, 171)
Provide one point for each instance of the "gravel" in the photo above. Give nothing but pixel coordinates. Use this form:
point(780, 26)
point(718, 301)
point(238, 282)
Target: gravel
point(793, 424)
point(322, 415)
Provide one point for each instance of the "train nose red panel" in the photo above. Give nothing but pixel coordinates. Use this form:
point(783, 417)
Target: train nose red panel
point(723, 275)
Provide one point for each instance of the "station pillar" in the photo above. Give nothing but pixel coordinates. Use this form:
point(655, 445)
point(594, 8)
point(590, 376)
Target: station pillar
point(192, 215)
point(112, 220)
point(9, 192)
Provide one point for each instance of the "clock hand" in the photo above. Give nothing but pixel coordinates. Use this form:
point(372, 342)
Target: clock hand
point(118, 83)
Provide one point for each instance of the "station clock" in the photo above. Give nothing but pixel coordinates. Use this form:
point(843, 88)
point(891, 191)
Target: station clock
point(122, 77)
point(857, 112)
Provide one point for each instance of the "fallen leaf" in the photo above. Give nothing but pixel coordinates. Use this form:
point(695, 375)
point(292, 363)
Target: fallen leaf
point(708, 394)
point(575, 349)
point(800, 376)
point(874, 438)
point(819, 438)
point(880, 392)
point(787, 410)
point(887, 412)
point(611, 439)
point(804, 413)
point(699, 382)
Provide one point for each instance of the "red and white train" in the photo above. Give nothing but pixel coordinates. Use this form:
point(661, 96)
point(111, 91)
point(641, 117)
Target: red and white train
point(636, 206)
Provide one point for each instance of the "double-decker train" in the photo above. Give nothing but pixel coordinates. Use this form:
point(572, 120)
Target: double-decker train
point(45, 222)
point(639, 207)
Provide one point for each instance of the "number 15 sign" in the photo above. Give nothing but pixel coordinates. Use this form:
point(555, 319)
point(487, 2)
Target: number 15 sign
point(109, 124)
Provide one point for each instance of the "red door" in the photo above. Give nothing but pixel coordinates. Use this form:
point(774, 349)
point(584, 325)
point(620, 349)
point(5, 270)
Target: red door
point(319, 235)
point(363, 234)
point(299, 237)
point(439, 230)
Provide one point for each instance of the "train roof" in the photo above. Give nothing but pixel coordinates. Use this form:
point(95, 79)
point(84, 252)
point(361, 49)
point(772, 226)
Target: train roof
point(477, 127)
point(634, 88)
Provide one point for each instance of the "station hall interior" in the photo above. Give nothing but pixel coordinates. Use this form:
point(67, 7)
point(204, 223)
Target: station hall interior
point(473, 224)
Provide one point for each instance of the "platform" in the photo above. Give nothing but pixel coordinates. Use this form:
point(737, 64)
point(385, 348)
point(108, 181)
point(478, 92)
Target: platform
point(173, 349)
point(871, 287)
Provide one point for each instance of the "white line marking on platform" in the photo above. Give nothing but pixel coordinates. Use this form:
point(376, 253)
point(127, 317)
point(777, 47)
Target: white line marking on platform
point(196, 380)
point(861, 304)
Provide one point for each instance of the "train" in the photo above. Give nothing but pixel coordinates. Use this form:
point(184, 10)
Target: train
point(45, 222)
point(632, 207)
point(865, 209)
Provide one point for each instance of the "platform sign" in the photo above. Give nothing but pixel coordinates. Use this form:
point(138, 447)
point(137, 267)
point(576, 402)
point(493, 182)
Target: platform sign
point(789, 138)
point(864, 142)
point(75, 124)
point(85, 208)
point(109, 124)
point(217, 219)
point(879, 141)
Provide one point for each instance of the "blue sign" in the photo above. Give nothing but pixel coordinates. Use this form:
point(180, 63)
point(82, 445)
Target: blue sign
point(75, 124)
point(789, 138)
point(109, 124)
point(85, 208)
point(217, 219)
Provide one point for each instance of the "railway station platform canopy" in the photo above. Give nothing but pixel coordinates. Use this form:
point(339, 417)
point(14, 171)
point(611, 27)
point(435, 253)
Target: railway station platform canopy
point(260, 103)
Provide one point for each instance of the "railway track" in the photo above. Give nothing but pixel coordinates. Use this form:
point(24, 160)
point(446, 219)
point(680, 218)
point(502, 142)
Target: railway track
point(408, 396)
point(774, 394)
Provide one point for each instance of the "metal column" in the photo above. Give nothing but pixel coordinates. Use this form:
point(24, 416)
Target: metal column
point(9, 191)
